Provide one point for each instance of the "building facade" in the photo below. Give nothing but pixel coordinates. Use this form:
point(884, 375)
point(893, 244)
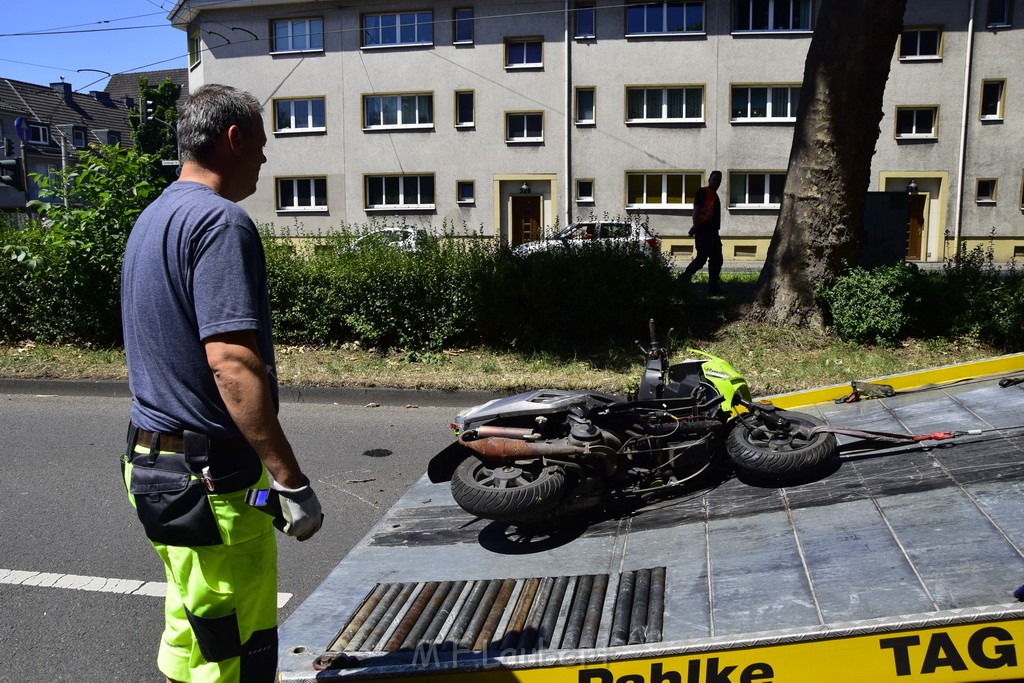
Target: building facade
point(507, 119)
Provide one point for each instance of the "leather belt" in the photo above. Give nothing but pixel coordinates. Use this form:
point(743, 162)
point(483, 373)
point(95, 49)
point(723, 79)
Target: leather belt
point(174, 443)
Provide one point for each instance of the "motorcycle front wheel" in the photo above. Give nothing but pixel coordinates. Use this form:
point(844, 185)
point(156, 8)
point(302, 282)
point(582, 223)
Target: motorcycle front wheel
point(508, 493)
point(781, 455)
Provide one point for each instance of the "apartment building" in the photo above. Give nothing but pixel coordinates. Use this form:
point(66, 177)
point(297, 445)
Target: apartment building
point(508, 118)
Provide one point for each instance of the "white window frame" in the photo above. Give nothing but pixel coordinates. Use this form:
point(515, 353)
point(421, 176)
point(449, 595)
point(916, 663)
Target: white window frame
point(314, 33)
point(770, 113)
point(580, 120)
point(1001, 106)
point(581, 8)
point(764, 200)
point(195, 49)
point(401, 99)
point(526, 116)
point(661, 112)
point(661, 28)
point(422, 23)
point(458, 22)
point(932, 134)
point(459, 198)
point(308, 126)
point(582, 196)
point(409, 194)
point(661, 201)
point(471, 122)
point(911, 37)
point(525, 43)
point(38, 133)
point(310, 188)
point(1004, 18)
point(79, 137)
point(806, 8)
point(991, 188)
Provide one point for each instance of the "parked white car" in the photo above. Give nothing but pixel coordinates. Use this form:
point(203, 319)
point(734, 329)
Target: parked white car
point(400, 239)
point(584, 233)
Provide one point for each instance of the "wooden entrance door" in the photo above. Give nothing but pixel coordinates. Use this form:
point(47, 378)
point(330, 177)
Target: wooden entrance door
point(525, 219)
point(915, 227)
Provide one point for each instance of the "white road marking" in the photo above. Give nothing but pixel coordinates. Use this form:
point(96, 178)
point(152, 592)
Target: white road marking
point(98, 584)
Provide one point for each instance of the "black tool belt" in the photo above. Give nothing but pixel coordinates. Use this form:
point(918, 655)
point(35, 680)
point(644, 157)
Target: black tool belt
point(172, 474)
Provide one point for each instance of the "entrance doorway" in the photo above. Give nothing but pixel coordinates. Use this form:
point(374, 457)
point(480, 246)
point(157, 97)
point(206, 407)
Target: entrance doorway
point(915, 227)
point(525, 218)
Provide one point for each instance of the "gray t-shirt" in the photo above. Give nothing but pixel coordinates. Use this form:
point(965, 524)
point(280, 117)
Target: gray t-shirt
point(194, 267)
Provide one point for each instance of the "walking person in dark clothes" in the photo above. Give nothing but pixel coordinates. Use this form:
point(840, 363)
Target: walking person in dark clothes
point(707, 221)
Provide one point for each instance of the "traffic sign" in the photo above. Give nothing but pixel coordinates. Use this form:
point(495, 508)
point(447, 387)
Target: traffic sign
point(22, 129)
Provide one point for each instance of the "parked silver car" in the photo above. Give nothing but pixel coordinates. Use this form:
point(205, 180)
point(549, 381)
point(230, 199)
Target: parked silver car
point(584, 233)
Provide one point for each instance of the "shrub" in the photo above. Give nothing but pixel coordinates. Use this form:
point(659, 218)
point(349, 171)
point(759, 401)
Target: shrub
point(874, 306)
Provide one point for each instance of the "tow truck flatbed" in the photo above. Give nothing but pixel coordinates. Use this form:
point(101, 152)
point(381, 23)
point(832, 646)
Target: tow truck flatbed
point(900, 565)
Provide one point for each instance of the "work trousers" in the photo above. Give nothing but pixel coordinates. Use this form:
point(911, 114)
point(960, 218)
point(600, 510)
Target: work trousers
point(708, 246)
point(220, 613)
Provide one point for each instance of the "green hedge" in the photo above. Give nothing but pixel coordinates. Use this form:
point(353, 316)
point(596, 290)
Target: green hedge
point(971, 296)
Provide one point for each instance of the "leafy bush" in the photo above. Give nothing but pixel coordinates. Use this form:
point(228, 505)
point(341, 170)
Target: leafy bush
point(874, 306)
point(60, 273)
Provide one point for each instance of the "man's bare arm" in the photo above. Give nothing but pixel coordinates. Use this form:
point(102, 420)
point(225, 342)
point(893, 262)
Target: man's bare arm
point(241, 378)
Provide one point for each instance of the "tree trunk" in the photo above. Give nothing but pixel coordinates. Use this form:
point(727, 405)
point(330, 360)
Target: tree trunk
point(820, 225)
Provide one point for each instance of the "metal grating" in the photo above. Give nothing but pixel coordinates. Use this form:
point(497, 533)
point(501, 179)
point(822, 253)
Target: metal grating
point(508, 615)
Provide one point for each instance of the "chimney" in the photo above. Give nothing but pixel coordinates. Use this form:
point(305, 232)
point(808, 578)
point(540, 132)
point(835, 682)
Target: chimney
point(101, 96)
point(63, 89)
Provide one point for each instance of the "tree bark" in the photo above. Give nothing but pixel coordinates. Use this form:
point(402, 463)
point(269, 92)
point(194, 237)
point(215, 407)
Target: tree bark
point(820, 225)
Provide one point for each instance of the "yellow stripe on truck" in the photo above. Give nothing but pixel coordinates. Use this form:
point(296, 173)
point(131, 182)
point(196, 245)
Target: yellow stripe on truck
point(903, 381)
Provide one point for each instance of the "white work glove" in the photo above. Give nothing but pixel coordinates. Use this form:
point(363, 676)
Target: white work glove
point(300, 509)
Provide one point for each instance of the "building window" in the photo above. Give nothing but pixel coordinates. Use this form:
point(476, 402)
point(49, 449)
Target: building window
point(299, 115)
point(916, 122)
point(398, 111)
point(297, 35)
point(465, 192)
point(302, 194)
point(665, 105)
point(405, 28)
point(661, 190)
point(195, 49)
point(464, 109)
point(771, 15)
point(664, 18)
point(998, 13)
point(113, 137)
point(756, 190)
point(585, 19)
point(462, 31)
point(764, 103)
point(986, 191)
point(585, 191)
point(992, 100)
point(585, 104)
point(400, 192)
point(78, 137)
point(523, 53)
point(524, 126)
point(920, 43)
point(38, 133)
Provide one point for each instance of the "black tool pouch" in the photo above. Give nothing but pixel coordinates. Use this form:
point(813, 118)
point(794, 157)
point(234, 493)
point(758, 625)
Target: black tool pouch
point(170, 502)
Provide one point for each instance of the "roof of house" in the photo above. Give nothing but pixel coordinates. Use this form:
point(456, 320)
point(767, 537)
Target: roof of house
point(57, 105)
point(125, 85)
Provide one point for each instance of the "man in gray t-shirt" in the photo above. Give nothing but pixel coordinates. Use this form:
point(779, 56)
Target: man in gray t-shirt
point(204, 440)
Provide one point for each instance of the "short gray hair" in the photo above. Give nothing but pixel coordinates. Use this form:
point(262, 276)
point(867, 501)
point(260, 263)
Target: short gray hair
point(208, 112)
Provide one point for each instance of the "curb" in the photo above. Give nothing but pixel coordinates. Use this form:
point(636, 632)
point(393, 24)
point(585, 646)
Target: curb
point(359, 396)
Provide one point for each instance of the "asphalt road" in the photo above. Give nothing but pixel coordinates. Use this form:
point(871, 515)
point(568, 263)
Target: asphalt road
point(64, 513)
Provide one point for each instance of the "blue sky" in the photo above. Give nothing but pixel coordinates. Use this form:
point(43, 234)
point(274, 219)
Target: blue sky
point(105, 35)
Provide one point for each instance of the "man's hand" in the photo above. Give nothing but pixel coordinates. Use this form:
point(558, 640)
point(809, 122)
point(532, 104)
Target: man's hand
point(301, 511)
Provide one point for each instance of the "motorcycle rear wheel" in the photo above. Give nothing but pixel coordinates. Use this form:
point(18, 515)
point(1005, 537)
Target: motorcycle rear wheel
point(508, 493)
point(779, 457)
